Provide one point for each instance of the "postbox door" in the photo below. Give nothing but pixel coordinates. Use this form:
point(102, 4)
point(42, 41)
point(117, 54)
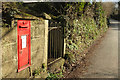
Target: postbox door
point(23, 44)
point(23, 51)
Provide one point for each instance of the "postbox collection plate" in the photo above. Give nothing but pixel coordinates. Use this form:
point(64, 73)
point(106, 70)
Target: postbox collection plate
point(23, 44)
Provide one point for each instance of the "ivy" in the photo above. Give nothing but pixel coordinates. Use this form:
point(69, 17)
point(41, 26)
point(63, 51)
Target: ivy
point(80, 32)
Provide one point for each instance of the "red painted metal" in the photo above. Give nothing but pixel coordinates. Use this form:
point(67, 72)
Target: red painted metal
point(24, 53)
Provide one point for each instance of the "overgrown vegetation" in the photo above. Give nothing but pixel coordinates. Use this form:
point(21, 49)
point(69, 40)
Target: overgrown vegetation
point(39, 70)
point(55, 76)
point(81, 31)
point(9, 9)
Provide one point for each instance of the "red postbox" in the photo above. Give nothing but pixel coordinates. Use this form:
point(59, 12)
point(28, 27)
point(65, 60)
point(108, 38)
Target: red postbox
point(23, 44)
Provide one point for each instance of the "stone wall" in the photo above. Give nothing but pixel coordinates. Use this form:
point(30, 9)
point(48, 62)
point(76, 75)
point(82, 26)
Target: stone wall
point(39, 33)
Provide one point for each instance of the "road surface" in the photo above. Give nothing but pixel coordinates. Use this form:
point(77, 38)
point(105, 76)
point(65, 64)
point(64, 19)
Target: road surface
point(104, 62)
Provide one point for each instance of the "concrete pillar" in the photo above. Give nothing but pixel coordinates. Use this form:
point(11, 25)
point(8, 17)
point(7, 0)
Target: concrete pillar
point(46, 43)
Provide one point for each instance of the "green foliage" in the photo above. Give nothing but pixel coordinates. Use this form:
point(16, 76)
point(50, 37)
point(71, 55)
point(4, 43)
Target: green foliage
point(54, 76)
point(38, 71)
point(70, 57)
point(9, 9)
point(80, 32)
point(81, 6)
point(43, 65)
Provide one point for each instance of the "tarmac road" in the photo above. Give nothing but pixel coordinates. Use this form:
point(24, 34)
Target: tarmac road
point(105, 60)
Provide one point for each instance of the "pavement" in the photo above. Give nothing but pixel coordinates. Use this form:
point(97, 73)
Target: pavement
point(104, 62)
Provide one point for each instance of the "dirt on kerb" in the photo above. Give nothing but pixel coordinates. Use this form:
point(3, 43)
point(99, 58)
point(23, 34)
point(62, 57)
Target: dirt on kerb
point(84, 63)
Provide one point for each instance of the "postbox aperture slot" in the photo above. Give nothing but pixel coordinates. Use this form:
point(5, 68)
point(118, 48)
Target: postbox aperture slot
point(22, 27)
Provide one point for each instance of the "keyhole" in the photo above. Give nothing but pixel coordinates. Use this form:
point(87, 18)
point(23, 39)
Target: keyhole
point(23, 22)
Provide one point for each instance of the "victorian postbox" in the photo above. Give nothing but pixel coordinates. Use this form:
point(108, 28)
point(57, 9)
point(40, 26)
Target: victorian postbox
point(23, 44)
